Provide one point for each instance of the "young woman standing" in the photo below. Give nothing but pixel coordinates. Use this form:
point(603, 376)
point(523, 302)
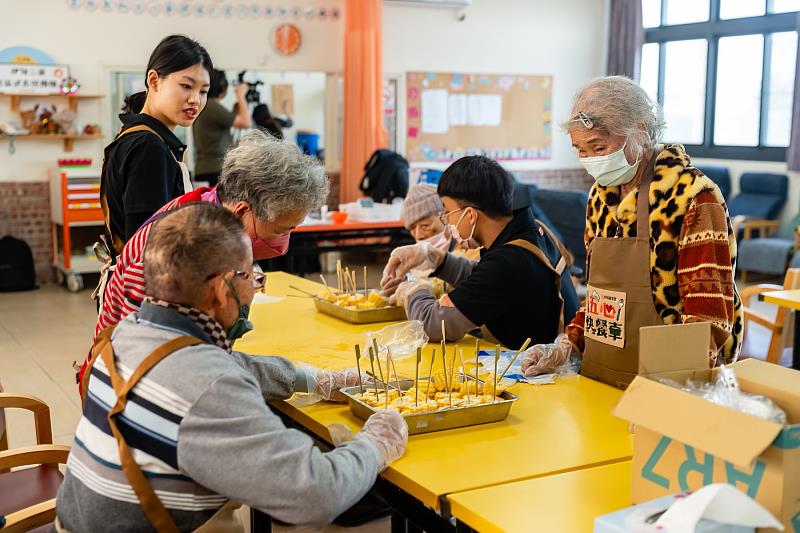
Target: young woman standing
point(143, 168)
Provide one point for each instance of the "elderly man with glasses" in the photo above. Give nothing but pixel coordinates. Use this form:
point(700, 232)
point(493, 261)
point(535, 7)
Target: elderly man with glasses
point(175, 426)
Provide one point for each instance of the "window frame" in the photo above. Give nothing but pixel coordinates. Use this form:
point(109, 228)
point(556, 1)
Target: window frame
point(712, 30)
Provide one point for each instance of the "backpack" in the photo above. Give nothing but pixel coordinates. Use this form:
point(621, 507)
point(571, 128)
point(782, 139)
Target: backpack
point(385, 176)
point(16, 266)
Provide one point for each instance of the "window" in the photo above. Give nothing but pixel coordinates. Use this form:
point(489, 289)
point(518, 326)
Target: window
point(724, 72)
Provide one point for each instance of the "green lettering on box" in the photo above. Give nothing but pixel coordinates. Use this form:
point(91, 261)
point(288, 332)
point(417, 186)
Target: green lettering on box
point(648, 471)
point(752, 479)
point(706, 468)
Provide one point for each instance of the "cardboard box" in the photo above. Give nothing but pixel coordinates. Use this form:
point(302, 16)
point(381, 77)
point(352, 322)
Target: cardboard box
point(683, 442)
point(678, 352)
point(633, 519)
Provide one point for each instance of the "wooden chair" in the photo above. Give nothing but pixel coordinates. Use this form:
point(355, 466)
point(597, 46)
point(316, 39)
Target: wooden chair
point(777, 327)
point(29, 494)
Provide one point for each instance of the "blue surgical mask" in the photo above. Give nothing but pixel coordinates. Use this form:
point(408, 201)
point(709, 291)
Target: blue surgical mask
point(611, 169)
point(242, 324)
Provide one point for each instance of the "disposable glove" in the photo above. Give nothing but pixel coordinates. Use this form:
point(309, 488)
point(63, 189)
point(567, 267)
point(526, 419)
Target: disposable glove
point(406, 289)
point(422, 256)
point(326, 384)
point(388, 431)
point(544, 358)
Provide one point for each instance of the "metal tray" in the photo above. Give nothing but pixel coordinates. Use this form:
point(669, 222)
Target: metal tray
point(360, 316)
point(448, 418)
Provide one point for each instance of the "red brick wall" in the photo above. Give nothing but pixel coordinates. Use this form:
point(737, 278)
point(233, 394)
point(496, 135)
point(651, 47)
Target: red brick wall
point(564, 178)
point(25, 214)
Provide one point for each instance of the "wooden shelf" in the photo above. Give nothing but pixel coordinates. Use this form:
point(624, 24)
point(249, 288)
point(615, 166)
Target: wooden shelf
point(72, 99)
point(68, 138)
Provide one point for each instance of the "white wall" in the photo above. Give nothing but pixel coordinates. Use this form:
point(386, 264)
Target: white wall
point(94, 43)
point(563, 38)
point(738, 167)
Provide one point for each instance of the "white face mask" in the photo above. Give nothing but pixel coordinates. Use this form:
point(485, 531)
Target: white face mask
point(610, 169)
point(468, 243)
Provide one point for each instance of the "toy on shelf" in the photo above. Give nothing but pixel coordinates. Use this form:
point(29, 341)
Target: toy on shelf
point(91, 129)
point(69, 86)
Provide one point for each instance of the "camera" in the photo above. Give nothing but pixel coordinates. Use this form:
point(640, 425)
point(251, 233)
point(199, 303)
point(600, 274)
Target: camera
point(252, 96)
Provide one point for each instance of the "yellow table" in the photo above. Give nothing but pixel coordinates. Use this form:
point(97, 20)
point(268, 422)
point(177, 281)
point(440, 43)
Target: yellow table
point(566, 502)
point(551, 429)
point(790, 299)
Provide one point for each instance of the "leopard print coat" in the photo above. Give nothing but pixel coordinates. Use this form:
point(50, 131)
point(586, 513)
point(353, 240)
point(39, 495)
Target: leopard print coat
point(692, 247)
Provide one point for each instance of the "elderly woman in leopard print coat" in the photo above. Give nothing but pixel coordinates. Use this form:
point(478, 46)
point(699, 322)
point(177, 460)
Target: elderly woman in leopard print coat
point(616, 128)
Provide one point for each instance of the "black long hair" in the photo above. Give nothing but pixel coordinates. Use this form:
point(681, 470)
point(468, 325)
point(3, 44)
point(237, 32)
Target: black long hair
point(173, 53)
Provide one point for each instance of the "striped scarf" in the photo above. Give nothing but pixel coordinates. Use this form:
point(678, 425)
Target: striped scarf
point(210, 326)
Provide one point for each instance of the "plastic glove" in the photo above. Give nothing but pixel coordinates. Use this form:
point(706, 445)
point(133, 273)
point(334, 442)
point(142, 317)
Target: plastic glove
point(406, 289)
point(328, 382)
point(543, 358)
point(388, 431)
point(421, 255)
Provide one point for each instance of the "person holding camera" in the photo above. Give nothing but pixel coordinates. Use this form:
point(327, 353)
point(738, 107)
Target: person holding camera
point(212, 129)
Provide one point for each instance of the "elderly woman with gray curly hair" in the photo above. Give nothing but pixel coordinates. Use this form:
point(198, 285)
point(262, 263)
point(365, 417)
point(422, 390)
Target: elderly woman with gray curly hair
point(269, 184)
point(663, 257)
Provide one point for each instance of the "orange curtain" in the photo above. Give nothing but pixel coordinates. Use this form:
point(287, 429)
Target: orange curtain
point(363, 130)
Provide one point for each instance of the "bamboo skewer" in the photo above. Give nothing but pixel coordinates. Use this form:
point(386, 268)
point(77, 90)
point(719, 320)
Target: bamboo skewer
point(339, 276)
point(522, 349)
point(416, 374)
point(494, 377)
point(444, 352)
point(358, 367)
point(372, 364)
point(464, 372)
point(366, 290)
point(452, 374)
point(388, 363)
point(430, 375)
point(324, 282)
point(477, 350)
point(394, 367)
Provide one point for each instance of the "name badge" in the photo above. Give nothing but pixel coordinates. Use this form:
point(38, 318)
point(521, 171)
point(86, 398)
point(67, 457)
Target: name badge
point(604, 319)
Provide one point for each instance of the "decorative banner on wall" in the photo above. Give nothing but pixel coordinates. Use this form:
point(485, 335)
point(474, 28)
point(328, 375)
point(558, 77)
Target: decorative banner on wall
point(32, 79)
point(218, 9)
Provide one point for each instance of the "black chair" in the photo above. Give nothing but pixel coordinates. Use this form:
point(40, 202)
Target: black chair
point(719, 175)
point(761, 195)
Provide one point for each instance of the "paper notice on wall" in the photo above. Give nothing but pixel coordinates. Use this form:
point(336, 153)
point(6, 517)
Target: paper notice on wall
point(434, 111)
point(484, 109)
point(457, 109)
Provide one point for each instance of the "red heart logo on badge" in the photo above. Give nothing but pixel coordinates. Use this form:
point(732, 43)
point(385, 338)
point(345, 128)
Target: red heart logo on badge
point(609, 310)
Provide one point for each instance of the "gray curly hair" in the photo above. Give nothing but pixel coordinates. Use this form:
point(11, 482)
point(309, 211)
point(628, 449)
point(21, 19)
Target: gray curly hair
point(271, 175)
point(618, 105)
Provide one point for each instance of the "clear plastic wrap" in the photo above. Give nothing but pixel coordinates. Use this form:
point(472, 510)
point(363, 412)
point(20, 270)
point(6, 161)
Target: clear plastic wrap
point(403, 338)
point(725, 391)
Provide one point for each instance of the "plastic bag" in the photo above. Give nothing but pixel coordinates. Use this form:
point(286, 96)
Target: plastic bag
point(725, 391)
point(403, 339)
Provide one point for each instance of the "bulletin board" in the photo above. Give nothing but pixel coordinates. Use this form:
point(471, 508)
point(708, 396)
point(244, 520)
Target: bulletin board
point(502, 116)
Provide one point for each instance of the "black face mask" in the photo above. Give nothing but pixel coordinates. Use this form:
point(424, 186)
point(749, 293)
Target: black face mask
point(242, 325)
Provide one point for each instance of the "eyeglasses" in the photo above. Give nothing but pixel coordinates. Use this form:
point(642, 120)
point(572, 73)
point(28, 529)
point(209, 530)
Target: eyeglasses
point(257, 277)
point(583, 118)
point(444, 217)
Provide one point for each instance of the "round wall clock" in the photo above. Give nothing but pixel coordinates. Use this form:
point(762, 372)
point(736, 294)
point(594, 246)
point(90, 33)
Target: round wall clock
point(287, 39)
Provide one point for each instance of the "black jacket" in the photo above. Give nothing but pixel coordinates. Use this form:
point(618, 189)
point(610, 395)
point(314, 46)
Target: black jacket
point(140, 174)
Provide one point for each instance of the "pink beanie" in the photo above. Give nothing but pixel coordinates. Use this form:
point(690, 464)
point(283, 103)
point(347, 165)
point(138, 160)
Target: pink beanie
point(421, 202)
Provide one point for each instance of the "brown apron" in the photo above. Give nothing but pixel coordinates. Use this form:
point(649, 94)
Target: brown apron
point(622, 264)
point(225, 519)
point(558, 270)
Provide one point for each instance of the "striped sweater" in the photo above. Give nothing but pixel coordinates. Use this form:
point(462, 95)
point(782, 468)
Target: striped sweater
point(692, 249)
point(125, 288)
point(200, 430)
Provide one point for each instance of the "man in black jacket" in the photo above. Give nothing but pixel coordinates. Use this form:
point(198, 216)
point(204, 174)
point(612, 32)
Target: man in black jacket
point(515, 291)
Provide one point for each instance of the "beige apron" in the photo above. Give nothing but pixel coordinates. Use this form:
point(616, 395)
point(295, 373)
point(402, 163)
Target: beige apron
point(224, 520)
point(622, 264)
point(558, 270)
